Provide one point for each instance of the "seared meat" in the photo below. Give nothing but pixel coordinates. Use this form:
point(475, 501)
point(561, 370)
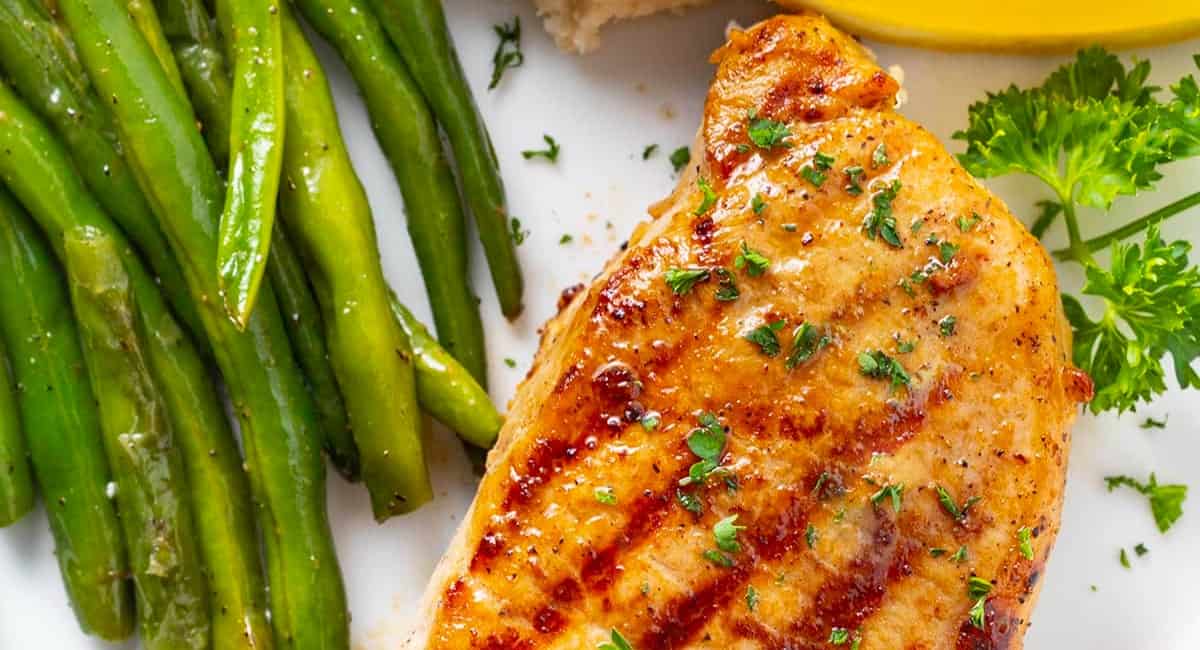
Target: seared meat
point(924, 409)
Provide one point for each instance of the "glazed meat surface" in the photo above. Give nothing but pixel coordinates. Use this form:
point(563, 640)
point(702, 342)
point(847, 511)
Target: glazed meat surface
point(908, 432)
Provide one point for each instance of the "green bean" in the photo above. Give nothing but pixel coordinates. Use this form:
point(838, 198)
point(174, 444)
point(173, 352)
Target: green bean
point(445, 388)
point(197, 48)
point(405, 128)
point(220, 492)
point(16, 481)
point(146, 18)
point(37, 168)
point(281, 440)
point(252, 33)
point(326, 208)
point(286, 273)
point(418, 29)
point(39, 58)
point(147, 467)
point(62, 427)
point(305, 328)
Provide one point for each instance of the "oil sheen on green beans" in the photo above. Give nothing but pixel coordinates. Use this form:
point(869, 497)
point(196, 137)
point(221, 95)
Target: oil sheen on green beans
point(418, 29)
point(40, 59)
point(405, 129)
point(445, 389)
point(147, 466)
point(62, 428)
point(252, 29)
point(16, 480)
point(278, 423)
point(326, 210)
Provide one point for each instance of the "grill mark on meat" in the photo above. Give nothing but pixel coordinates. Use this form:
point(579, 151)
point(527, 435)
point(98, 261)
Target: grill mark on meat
point(507, 640)
point(999, 629)
point(847, 599)
point(600, 569)
point(682, 618)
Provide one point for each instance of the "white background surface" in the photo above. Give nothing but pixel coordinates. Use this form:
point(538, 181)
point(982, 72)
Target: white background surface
point(646, 85)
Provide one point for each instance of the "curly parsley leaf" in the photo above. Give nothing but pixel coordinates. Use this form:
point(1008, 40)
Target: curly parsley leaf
point(618, 642)
point(1092, 131)
point(1166, 501)
point(681, 281)
point(1151, 307)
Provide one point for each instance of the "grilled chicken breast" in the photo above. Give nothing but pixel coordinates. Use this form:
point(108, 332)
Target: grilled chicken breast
point(824, 395)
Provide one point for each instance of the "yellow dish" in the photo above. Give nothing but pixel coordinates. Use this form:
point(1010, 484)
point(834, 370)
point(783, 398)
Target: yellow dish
point(1013, 25)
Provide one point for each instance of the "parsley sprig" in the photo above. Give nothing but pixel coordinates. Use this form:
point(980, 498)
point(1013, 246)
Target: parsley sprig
point(1166, 501)
point(1093, 131)
point(549, 153)
point(508, 51)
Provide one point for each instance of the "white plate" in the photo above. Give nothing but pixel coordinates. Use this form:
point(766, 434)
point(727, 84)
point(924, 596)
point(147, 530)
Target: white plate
point(646, 85)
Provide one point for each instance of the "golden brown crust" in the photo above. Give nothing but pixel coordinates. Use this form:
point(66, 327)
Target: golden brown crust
point(541, 563)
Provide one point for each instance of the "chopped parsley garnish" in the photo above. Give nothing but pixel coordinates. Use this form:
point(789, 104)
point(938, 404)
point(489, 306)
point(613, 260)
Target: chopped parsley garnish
point(807, 340)
point(680, 158)
point(1140, 550)
point(1166, 501)
point(978, 614)
point(606, 496)
point(1025, 538)
point(854, 176)
point(947, 325)
point(508, 52)
point(978, 587)
point(753, 261)
point(1151, 423)
point(511, 363)
point(937, 552)
point(689, 502)
point(879, 221)
point(810, 535)
point(707, 442)
point(618, 642)
point(947, 251)
point(879, 157)
point(978, 590)
point(567, 238)
point(518, 234)
point(757, 204)
point(789, 227)
point(649, 151)
point(894, 491)
point(718, 558)
point(1124, 558)
point(727, 290)
point(725, 533)
point(681, 281)
point(751, 598)
point(960, 555)
point(917, 225)
point(905, 347)
point(816, 172)
point(813, 176)
point(549, 153)
point(967, 224)
point(839, 636)
point(650, 421)
point(765, 338)
point(827, 486)
point(767, 133)
point(709, 199)
point(878, 365)
point(958, 513)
